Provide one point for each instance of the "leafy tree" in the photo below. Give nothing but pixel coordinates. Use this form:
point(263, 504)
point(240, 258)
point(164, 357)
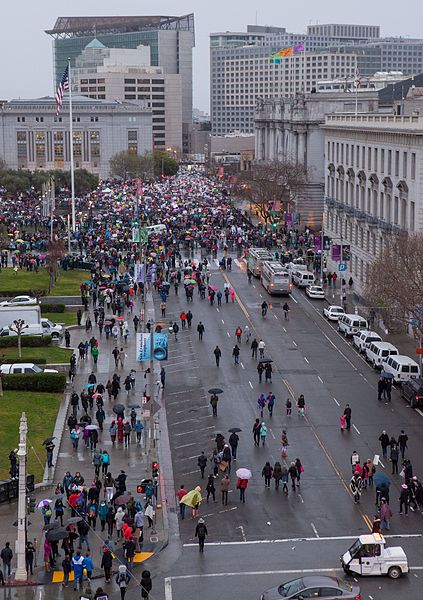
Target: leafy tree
point(129, 165)
point(164, 164)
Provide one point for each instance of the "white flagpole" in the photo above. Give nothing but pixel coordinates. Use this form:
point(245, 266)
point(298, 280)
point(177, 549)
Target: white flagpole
point(71, 149)
point(356, 87)
point(304, 70)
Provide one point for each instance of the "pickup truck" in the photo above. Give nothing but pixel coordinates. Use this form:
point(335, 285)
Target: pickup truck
point(370, 556)
point(24, 368)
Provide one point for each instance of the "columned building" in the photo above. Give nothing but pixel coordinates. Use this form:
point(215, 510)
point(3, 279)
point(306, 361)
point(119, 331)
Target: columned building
point(292, 129)
point(373, 184)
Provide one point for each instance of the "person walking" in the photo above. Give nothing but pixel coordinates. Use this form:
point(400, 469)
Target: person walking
point(242, 485)
point(260, 371)
point(6, 556)
point(402, 443)
point(78, 570)
point(385, 515)
point(122, 579)
point(293, 473)
point(277, 474)
point(238, 334)
point(146, 585)
point(107, 563)
point(384, 442)
point(29, 557)
point(301, 405)
point(261, 403)
point(347, 415)
point(288, 406)
point(224, 488)
point(214, 399)
point(355, 487)
point(235, 354)
point(404, 499)
point(210, 489)
point(254, 347)
point(394, 456)
point(256, 432)
point(201, 533)
point(355, 460)
point(200, 330)
point(180, 494)
point(267, 473)
point(202, 463)
point(270, 403)
point(263, 433)
point(217, 354)
point(261, 348)
point(233, 443)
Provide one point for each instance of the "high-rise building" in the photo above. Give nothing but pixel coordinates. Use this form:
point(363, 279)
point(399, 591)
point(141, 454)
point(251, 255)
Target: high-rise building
point(126, 74)
point(241, 70)
point(170, 38)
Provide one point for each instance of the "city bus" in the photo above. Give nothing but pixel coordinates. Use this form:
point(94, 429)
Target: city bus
point(275, 279)
point(255, 258)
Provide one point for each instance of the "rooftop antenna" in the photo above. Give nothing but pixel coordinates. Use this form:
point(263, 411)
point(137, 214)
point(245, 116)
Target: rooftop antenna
point(256, 18)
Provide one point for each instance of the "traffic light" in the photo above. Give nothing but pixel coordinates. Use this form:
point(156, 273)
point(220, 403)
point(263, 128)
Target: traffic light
point(31, 504)
point(155, 469)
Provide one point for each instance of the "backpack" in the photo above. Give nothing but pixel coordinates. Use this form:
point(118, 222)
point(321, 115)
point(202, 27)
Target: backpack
point(201, 530)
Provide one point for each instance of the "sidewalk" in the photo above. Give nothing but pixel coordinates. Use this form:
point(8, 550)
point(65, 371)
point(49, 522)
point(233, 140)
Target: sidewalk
point(133, 460)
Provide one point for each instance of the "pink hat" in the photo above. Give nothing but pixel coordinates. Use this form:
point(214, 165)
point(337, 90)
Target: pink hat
point(404, 486)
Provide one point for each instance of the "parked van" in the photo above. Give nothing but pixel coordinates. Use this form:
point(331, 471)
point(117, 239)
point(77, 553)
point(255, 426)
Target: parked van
point(401, 367)
point(303, 278)
point(30, 330)
point(378, 351)
point(351, 324)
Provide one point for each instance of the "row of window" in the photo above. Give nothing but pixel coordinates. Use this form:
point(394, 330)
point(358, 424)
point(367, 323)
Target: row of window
point(56, 119)
point(373, 159)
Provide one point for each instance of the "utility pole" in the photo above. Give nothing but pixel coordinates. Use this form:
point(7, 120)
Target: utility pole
point(21, 574)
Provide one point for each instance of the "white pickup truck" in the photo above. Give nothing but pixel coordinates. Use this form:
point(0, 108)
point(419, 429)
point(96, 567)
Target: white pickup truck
point(370, 556)
point(23, 368)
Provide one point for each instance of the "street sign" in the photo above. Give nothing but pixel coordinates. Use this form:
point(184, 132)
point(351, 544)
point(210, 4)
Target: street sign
point(419, 350)
point(342, 267)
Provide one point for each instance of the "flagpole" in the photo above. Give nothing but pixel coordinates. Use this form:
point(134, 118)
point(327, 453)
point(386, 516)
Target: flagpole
point(71, 150)
point(356, 87)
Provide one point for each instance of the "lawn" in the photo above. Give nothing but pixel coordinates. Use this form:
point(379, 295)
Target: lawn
point(64, 318)
point(41, 410)
point(23, 281)
point(52, 354)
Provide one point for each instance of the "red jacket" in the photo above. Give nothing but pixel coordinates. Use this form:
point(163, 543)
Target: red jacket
point(241, 484)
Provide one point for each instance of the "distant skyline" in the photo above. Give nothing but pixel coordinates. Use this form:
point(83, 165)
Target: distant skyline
point(26, 69)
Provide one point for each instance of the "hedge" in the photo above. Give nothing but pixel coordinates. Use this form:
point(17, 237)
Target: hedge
point(37, 382)
point(52, 308)
point(25, 292)
point(27, 341)
point(15, 359)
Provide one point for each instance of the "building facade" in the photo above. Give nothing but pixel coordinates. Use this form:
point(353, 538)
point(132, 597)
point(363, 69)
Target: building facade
point(170, 39)
point(120, 74)
point(33, 137)
point(293, 130)
point(373, 184)
point(241, 69)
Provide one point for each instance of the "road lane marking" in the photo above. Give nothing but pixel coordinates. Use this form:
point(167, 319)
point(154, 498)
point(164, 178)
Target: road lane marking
point(336, 401)
point(223, 321)
point(251, 385)
point(306, 359)
point(313, 526)
point(284, 329)
point(192, 431)
point(301, 498)
point(295, 343)
point(244, 537)
point(242, 365)
point(254, 286)
point(185, 445)
point(419, 411)
point(320, 379)
point(168, 588)
point(381, 463)
point(228, 334)
point(272, 434)
point(276, 316)
point(356, 429)
point(217, 309)
point(190, 472)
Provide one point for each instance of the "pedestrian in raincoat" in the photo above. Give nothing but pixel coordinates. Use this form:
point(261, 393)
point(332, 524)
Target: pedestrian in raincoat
point(263, 433)
point(193, 499)
point(120, 430)
point(267, 473)
point(241, 485)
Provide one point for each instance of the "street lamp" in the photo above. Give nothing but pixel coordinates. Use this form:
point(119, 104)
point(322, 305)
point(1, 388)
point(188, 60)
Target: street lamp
point(21, 574)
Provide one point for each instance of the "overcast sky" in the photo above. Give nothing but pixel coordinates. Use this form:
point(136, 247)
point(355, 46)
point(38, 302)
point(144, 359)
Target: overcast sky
point(26, 51)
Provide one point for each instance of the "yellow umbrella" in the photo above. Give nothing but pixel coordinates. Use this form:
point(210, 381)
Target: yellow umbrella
point(193, 497)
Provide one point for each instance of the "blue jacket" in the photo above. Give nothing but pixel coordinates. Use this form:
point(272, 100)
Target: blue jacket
point(88, 563)
point(78, 564)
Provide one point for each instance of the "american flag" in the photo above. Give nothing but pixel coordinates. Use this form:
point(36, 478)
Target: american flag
point(63, 87)
point(357, 80)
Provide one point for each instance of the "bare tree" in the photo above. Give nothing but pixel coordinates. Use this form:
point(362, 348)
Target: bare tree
point(395, 286)
point(55, 251)
point(270, 181)
point(18, 326)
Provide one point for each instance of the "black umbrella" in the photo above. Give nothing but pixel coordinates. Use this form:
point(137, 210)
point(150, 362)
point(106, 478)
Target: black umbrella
point(134, 406)
point(51, 526)
point(122, 499)
point(74, 520)
point(234, 430)
point(54, 535)
point(85, 420)
point(118, 408)
point(48, 440)
point(265, 360)
point(215, 391)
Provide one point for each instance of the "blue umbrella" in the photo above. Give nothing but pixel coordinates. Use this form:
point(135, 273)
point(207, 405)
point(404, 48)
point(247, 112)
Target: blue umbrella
point(88, 385)
point(381, 479)
point(386, 375)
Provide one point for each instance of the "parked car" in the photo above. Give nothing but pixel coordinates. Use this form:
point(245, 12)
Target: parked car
point(333, 312)
point(412, 392)
point(51, 328)
point(315, 291)
point(363, 339)
point(351, 324)
point(376, 352)
point(17, 300)
point(314, 586)
point(24, 368)
point(402, 368)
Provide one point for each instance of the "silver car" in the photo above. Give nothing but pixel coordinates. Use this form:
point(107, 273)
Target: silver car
point(314, 586)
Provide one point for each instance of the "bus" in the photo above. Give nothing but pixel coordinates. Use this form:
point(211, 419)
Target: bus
point(275, 278)
point(255, 258)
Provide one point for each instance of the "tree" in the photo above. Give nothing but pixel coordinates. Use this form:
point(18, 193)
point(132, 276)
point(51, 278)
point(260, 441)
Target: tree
point(55, 252)
point(275, 180)
point(395, 283)
point(128, 165)
point(164, 164)
point(18, 326)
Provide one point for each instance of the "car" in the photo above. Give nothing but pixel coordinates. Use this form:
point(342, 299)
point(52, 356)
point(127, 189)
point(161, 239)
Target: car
point(51, 328)
point(363, 339)
point(314, 586)
point(315, 291)
point(19, 300)
point(30, 368)
point(412, 392)
point(333, 312)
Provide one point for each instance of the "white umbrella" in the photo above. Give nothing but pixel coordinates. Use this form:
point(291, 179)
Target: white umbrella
point(244, 474)
point(91, 427)
point(42, 503)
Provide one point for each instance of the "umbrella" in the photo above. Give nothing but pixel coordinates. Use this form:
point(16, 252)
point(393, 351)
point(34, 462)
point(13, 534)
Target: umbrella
point(234, 430)
point(91, 427)
point(381, 479)
point(213, 287)
point(44, 502)
point(215, 391)
point(74, 520)
point(51, 526)
point(97, 395)
point(134, 406)
point(57, 534)
point(48, 440)
point(123, 499)
point(88, 385)
point(265, 360)
point(244, 474)
point(118, 408)
point(386, 375)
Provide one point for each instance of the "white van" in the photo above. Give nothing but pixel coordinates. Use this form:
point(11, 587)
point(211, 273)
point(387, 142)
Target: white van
point(363, 339)
point(50, 328)
point(350, 324)
point(403, 368)
point(303, 278)
point(29, 330)
point(379, 351)
point(296, 266)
